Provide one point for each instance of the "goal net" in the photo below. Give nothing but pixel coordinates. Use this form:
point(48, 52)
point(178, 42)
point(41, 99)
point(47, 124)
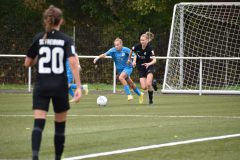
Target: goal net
point(204, 49)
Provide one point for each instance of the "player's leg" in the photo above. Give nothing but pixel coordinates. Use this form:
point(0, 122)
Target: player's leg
point(122, 79)
point(59, 136)
point(149, 87)
point(61, 106)
point(143, 83)
point(133, 86)
point(40, 107)
point(135, 89)
point(154, 84)
point(128, 71)
point(38, 126)
point(143, 79)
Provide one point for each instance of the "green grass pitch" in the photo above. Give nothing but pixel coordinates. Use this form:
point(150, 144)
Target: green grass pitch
point(122, 125)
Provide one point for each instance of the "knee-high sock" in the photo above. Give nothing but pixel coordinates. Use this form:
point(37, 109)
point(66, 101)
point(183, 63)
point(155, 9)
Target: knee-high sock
point(127, 90)
point(137, 91)
point(150, 95)
point(37, 137)
point(59, 139)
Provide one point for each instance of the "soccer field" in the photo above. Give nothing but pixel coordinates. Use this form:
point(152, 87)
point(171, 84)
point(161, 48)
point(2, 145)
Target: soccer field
point(122, 125)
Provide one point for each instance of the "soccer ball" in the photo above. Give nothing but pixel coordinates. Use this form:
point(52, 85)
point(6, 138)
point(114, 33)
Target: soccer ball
point(102, 100)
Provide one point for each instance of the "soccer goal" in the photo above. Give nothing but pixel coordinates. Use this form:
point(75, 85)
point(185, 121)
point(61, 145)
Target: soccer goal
point(204, 49)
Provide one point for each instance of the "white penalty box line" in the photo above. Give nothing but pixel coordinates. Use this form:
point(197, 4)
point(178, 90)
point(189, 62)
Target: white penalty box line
point(152, 147)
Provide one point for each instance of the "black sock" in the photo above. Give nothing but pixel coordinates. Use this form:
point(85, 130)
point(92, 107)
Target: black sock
point(59, 139)
point(150, 95)
point(37, 137)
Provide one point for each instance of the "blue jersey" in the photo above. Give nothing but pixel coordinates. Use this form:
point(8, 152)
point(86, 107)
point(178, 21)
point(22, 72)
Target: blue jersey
point(69, 72)
point(119, 57)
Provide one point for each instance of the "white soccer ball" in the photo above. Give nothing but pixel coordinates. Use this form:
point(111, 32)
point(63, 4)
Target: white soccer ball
point(102, 100)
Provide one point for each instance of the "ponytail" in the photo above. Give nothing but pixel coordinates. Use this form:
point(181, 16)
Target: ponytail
point(150, 36)
point(51, 17)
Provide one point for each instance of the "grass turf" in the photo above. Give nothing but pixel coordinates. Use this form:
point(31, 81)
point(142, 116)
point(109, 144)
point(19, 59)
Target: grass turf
point(93, 130)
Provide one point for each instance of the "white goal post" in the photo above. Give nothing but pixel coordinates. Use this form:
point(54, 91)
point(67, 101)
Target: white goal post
point(205, 41)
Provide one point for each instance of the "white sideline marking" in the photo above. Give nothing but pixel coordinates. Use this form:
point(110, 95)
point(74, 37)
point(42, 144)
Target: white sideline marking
point(142, 116)
point(152, 147)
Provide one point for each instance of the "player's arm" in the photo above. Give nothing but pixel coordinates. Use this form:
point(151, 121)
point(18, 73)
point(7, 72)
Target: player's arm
point(153, 58)
point(79, 66)
point(134, 60)
point(31, 56)
point(99, 57)
point(73, 61)
point(152, 62)
point(129, 57)
point(29, 62)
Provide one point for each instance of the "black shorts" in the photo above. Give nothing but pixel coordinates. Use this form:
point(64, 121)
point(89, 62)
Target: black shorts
point(60, 102)
point(143, 72)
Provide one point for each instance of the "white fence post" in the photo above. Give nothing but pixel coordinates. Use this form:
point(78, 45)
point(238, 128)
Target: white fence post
point(114, 78)
point(200, 77)
point(29, 78)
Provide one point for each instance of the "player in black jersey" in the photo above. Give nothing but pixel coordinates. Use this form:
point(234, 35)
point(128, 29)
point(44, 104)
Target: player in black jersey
point(150, 38)
point(49, 51)
point(144, 59)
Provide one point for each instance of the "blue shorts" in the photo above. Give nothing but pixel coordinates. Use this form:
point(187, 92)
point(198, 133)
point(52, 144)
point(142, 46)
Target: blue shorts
point(127, 70)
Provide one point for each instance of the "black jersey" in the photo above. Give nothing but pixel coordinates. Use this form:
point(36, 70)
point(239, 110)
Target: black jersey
point(52, 53)
point(143, 55)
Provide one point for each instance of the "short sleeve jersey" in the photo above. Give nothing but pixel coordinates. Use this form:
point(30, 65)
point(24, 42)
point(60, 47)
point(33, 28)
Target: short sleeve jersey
point(119, 57)
point(143, 55)
point(52, 52)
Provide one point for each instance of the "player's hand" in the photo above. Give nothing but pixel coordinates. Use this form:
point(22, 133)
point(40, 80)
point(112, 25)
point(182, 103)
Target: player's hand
point(128, 61)
point(146, 65)
point(95, 60)
point(134, 64)
point(77, 95)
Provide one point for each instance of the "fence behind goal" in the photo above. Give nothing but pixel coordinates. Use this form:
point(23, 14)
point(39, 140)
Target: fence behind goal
point(200, 74)
point(12, 71)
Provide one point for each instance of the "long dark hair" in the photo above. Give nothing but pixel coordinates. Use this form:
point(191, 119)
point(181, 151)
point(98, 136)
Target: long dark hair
point(51, 17)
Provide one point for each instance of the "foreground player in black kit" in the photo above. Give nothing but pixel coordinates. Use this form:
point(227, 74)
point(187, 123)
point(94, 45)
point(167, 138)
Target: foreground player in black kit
point(144, 59)
point(49, 51)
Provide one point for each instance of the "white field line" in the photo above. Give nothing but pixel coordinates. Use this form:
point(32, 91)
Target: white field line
point(152, 147)
point(141, 116)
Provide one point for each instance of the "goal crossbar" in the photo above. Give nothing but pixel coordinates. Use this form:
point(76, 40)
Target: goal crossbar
point(210, 3)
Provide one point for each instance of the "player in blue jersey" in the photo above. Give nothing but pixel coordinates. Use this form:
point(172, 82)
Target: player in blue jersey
point(71, 85)
point(120, 54)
